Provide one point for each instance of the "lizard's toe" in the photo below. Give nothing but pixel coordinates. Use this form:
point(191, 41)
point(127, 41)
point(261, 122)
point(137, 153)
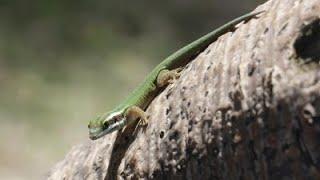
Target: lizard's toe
point(143, 122)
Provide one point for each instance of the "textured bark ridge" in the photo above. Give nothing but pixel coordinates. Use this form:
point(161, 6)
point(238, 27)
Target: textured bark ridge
point(248, 107)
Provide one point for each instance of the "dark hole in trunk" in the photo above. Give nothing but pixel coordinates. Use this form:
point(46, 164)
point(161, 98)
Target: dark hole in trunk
point(307, 45)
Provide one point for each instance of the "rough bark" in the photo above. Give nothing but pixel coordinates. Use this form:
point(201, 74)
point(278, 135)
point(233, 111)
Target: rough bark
point(248, 107)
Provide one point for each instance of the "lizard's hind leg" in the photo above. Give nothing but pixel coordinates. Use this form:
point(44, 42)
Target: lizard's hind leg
point(166, 76)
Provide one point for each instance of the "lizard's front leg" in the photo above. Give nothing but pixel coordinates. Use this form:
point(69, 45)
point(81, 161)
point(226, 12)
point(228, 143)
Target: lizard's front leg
point(166, 76)
point(135, 112)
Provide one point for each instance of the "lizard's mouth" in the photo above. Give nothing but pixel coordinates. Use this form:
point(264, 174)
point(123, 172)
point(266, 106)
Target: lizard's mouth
point(94, 136)
point(97, 133)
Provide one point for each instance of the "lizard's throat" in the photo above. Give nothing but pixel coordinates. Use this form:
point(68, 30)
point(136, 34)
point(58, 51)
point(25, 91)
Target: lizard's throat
point(115, 126)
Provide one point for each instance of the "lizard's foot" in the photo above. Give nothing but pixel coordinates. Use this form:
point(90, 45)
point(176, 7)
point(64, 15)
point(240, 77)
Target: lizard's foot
point(135, 112)
point(166, 76)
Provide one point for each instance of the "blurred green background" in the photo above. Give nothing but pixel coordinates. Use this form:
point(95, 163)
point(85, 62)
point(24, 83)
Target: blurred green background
point(64, 62)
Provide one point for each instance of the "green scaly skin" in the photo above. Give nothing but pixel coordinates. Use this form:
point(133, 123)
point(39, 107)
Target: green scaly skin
point(147, 90)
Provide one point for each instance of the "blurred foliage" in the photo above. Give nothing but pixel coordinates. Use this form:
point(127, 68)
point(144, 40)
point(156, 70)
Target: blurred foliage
point(62, 62)
point(45, 30)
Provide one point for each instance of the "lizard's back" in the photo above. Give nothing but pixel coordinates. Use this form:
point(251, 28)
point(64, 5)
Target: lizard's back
point(147, 90)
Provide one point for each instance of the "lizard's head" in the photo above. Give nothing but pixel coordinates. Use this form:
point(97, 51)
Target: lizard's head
point(105, 124)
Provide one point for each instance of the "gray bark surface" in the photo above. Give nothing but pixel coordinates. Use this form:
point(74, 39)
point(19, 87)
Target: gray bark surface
point(248, 107)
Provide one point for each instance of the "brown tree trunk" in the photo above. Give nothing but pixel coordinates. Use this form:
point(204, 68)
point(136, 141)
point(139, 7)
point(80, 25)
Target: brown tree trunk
point(248, 107)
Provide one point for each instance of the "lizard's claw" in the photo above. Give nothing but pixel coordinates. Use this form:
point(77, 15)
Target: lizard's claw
point(143, 122)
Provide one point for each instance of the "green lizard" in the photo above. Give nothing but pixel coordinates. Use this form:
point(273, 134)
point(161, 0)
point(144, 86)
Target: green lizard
point(133, 107)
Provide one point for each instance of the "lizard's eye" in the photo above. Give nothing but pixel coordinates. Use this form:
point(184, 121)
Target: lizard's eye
point(106, 124)
point(117, 118)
